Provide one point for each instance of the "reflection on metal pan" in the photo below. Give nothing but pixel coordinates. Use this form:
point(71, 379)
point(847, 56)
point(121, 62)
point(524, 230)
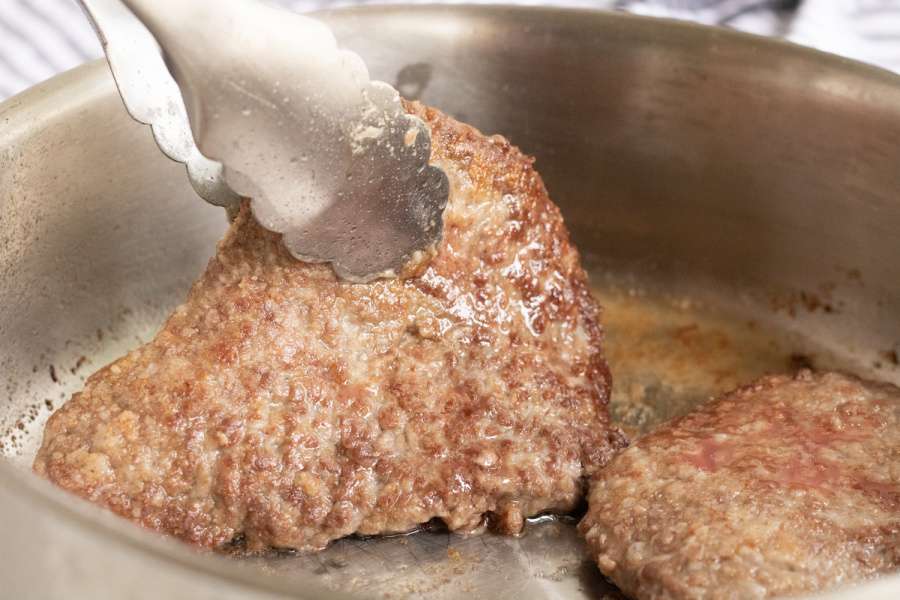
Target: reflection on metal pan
point(723, 189)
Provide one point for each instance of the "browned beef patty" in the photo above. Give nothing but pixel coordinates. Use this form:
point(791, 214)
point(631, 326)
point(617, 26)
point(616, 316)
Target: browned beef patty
point(292, 409)
point(789, 485)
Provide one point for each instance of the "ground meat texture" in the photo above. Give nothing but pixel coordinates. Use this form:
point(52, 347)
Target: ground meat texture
point(784, 487)
point(286, 408)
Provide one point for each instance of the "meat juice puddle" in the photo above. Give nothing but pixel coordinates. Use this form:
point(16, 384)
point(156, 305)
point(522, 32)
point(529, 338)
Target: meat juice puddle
point(668, 355)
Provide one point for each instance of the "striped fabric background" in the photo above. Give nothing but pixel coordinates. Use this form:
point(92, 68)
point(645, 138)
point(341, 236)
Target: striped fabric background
point(39, 38)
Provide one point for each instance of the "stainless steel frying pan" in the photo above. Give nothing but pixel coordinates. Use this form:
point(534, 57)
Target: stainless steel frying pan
point(748, 176)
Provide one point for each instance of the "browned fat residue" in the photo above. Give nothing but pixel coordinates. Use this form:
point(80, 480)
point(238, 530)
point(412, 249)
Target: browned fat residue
point(686, 334)
point(799, 361)
point(792, 301)
point(670, 355)
point(78, 364)
point(854, 275)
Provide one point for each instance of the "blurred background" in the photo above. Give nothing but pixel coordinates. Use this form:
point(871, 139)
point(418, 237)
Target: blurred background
point(39, 38)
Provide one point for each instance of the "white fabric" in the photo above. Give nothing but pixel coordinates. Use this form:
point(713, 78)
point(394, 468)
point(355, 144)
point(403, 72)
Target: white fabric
point(39, 38)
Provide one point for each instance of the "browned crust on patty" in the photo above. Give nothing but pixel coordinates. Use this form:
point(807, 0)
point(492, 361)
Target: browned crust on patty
point(783, 487)
point(292, 409)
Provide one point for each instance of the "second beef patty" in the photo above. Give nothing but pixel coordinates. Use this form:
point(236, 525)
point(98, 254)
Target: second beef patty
point(786, 486)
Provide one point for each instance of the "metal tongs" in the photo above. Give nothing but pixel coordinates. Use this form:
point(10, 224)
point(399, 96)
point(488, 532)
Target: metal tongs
point(259, 102)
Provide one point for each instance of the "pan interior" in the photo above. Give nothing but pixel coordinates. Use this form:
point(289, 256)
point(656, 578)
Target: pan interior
point(734, 200)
